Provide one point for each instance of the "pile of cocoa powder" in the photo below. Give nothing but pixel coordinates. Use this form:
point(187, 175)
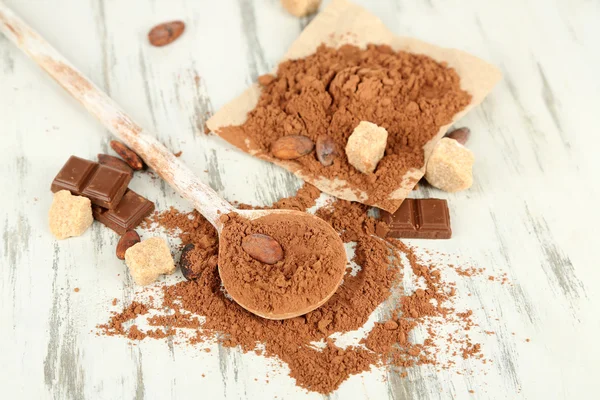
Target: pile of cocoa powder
point(329, 92)
point(310, 269)
point(378, 281)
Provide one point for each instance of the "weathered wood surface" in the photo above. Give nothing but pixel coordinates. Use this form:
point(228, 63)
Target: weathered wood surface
point(531, 213)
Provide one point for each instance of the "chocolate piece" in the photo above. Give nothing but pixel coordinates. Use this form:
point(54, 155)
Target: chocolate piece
point(132, 209)
point(107, 186)
point(433, 219)
point(403, 222)
point(74, 175)
point(115, 162)
point(103, 185)
point(419, 219)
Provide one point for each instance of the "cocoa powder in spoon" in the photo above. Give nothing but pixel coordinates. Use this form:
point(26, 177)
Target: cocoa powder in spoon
point(308, 273)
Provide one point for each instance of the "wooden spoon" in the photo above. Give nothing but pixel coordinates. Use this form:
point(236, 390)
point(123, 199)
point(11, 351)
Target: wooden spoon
point(156, 156)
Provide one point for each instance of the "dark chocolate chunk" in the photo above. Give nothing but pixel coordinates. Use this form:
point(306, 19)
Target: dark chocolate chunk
point(403, 220)
point(420, 219)
point(433, 218)
point(74, 175)
point(132, 209)
point(115, 162)
point(107, 186)
point(103, 185)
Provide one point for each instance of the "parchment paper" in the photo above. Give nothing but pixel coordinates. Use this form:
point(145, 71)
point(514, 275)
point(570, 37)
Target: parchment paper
point(345, 23)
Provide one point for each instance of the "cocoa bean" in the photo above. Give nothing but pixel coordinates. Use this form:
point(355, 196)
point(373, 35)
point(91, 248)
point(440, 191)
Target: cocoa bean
point(262, 248)
point(326, 150)
point(163, 34)
point(132, 159)
point(291, 147)
point(186, 264)
point(461, 135)
point(130, 238)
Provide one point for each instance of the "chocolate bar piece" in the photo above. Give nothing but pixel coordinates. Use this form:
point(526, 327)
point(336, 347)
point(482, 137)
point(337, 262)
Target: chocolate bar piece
point(74, 175)
point(132, 209)
point(419, 219)
point(103, 185)
point(115, 162)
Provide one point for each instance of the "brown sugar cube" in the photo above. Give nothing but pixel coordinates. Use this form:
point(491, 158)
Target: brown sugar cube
point(366, 146)
point(69, 215)
point(301, 8)
point(148, 260)
point(450, 167)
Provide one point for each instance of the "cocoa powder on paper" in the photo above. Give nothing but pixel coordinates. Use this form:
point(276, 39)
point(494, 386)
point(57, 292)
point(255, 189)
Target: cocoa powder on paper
point(389, 343)
point(331, 91)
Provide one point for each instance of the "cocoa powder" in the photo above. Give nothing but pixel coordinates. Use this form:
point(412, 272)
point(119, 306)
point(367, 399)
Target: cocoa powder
point(309, 272)
point(306, 197)
point(115, 325)
point(332, 90)
point(322, 370)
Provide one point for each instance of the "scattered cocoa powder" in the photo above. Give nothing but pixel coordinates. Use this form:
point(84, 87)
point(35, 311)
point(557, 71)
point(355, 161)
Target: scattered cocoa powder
point(134, 333)
point(468, 271)
point(332, 90)
point(305, 198)
point(312, 266)
point(388, 343)
point(129, 313)
point(192, 228)
point(189, 227)
point(177, 320)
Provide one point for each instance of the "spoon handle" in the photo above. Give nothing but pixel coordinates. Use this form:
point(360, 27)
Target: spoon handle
point(156, 156)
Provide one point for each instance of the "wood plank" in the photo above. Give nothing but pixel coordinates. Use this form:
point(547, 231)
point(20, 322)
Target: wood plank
point(531, 213)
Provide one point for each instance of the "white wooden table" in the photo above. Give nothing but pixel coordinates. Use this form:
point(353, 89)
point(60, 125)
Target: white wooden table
point(532, 212)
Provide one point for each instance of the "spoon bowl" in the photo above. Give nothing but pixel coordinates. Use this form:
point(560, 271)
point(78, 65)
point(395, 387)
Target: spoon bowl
point(298, 309)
